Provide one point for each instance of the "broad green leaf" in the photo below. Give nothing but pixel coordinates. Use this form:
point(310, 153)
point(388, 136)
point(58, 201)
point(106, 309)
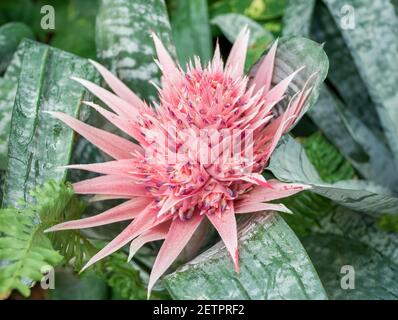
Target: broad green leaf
point(11, 35)
point(8, 89)
point(232, 23)
point(374, 276)
point(290, 163)
point(350, 124)
point(39, 144)
point(273, 265)
point(335, 236)
point(70, 286)
point(349, 238)
point(373, 43)
point(298, 16)
point(344, 75)
point(124, 43)
point(191, 31)
point(293, 53)
point(366, 152)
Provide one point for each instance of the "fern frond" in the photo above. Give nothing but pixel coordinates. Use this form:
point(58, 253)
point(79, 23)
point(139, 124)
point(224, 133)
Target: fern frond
point(327, 159)
point(25, 249)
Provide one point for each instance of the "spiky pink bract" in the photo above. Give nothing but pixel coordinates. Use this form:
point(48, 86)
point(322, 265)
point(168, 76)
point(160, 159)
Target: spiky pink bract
point(199, 154)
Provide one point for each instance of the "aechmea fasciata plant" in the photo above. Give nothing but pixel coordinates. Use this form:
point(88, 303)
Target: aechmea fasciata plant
point(198, 153)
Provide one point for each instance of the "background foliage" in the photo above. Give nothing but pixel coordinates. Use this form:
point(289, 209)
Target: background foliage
point(345, 147)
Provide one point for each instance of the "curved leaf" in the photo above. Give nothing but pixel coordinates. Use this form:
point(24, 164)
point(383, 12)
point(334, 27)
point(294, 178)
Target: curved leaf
point(374, 47)
point(11, 35)
point(289, 163)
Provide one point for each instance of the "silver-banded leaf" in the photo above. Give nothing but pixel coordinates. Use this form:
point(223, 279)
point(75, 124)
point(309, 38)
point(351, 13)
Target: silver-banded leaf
point(292, 54)
point(39, 143)
point(350, 124)
point(344, 75)
point(191, 30)
point(290, 163)
point(273, 265)
point(11, 35)
point(124, 43)
point(298, 16)
point(373, 276)
point(365, 151)
point(8, 89)
point(373, 43)
point(7, 94)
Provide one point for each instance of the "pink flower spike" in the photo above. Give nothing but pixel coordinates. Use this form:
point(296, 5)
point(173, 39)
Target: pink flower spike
point(118, 86)
point(178, 236)
point(226, 227)
point(237, 56)
point(125, 211)
point(200, 151)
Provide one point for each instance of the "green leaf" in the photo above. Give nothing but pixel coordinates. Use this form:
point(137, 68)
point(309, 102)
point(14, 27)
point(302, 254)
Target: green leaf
point(39, 144)
point(374, 48)
point(350, 124)
point(11, 35)
point(345, 237)
point(374, 275)
point(289, 163)
point(366, 152)
point(260, 38)
point(7, 94)
point(273, 265)
point(191, 30)
point(124, 44)
point(298, 16)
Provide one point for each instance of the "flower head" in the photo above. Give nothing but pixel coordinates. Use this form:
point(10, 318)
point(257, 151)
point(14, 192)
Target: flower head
point(198, 153)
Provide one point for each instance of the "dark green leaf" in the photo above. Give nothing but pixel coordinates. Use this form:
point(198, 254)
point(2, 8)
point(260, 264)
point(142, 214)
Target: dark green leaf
point(191, 31)
point(11, 35)
point(70, 286)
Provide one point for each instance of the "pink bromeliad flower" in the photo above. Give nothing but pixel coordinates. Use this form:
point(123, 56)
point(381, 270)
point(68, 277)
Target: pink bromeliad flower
point(198, 155)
